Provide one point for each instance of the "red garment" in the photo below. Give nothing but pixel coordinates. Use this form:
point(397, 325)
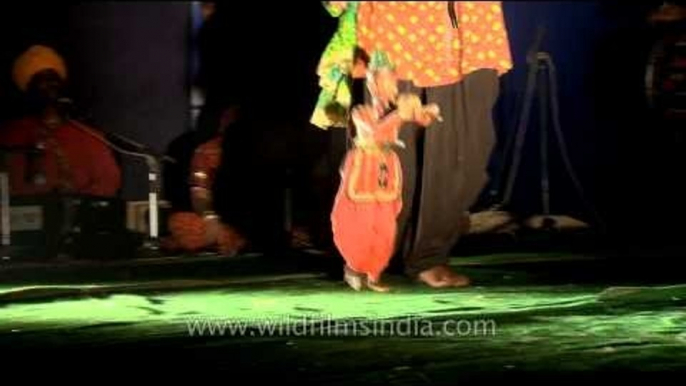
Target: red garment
point(74, 162)
point(188, 231)
point(369, 200)
point(206, 160)
point(365, 213)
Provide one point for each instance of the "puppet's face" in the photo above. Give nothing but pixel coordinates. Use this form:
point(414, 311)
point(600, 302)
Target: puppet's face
point(385, 86)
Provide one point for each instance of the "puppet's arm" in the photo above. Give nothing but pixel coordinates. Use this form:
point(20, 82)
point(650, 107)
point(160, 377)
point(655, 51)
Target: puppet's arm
point(410, 109)
point(335, 8)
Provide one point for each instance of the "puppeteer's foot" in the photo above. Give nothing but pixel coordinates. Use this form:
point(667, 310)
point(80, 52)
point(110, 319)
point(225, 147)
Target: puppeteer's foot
point(442, 276)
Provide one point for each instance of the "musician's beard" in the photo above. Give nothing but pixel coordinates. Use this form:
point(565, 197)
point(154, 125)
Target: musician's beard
point(47, 102)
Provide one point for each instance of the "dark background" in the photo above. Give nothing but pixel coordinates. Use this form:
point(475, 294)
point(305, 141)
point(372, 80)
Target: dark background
point(129, 66)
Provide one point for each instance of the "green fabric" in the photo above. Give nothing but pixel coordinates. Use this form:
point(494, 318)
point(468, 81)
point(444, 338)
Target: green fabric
point(379, 60)
point(334, 71)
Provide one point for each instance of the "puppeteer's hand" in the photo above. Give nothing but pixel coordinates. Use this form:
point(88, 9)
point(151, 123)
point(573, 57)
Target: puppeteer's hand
point(429, 114)
point(213, 227)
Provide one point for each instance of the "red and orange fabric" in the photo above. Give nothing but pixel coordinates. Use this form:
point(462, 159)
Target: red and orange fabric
point(369, 198)
point(73, 162)
point(188, 232)
point(206, 160)
point(423, 45)
point(191, 231)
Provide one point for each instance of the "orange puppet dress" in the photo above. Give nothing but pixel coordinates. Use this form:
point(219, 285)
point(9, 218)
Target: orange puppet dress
point(369, 198)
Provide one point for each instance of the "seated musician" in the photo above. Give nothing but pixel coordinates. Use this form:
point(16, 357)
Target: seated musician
point(66, 159)
point(202, 229)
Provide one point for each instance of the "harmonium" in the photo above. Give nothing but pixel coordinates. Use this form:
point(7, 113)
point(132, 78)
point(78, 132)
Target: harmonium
point(49, 226)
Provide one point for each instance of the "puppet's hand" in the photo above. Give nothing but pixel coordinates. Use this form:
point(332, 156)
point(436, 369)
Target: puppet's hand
point(338, 5)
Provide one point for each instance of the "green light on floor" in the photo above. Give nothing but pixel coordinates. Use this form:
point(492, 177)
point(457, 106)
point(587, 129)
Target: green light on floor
point(334, 302)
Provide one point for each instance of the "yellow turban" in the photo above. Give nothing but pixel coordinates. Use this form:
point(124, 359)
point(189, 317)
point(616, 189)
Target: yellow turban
point(34, 60)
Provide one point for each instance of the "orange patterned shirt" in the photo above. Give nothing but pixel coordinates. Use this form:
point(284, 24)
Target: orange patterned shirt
point(422, 43)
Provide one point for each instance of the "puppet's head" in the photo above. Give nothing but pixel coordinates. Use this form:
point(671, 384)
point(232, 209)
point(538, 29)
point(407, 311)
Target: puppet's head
point(382, 81)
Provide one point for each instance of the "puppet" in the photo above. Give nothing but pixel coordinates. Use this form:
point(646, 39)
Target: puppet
point(369, 199)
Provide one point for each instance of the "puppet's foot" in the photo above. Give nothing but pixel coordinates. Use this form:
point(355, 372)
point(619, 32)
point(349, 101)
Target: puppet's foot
point(377, 286)
point(355, 280)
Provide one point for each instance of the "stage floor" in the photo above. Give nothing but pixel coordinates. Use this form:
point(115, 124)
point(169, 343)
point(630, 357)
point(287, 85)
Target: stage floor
point(525, 313)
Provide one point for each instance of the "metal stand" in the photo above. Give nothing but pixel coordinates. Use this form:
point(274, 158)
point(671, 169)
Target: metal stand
point(288, 203)
point(152, 244)
point(154, 184)
point(6, 216)
point(540, 65)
